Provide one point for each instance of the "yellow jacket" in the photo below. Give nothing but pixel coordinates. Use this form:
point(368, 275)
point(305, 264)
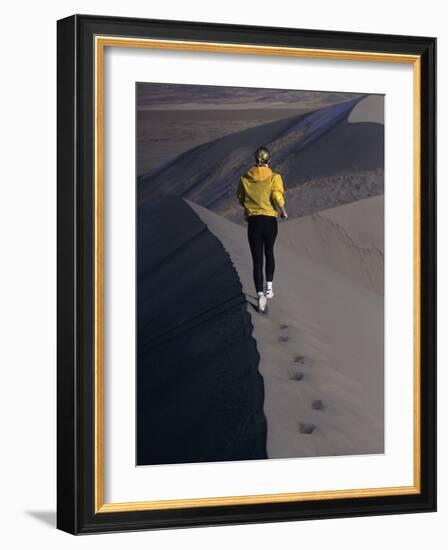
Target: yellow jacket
point(260, 190)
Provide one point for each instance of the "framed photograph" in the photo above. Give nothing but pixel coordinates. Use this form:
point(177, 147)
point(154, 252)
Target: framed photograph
point(246, 274)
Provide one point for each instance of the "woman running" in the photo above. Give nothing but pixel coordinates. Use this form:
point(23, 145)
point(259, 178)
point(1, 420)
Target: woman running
point(260, 192)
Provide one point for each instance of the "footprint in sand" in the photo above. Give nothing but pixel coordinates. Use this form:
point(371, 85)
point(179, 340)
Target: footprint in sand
point(283, 326)
point(283, 338)
point(301, 360)
point(305, 428)
point(296, 375)
point(317, 405)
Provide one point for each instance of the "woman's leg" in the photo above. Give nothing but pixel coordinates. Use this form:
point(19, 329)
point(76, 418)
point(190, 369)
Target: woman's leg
point(255, 236)
point(270, 234)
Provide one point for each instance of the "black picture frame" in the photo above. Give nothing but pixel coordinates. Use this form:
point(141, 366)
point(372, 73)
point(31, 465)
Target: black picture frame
point(76, 509)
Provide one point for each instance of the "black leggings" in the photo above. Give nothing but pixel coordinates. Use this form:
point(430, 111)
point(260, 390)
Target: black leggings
point(262, 232)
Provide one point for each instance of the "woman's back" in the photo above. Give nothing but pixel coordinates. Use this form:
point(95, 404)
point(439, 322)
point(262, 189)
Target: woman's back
point(260, 190)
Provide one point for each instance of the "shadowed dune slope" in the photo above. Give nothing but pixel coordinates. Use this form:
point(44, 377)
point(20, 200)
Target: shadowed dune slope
point(199, 393)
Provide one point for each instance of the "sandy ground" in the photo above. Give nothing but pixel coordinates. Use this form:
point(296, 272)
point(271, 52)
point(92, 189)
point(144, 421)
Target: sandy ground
point(348, 239)
point(370, 109)
point(321, 345)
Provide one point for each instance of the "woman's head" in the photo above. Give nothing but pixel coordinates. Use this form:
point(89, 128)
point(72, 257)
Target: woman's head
point(262, 156)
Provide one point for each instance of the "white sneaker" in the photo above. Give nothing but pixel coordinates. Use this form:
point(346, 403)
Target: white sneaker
point(269, 293)
point(262, 303)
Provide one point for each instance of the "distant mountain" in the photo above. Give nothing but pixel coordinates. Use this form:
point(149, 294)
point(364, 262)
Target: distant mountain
point(317, 146)
point(168, 96)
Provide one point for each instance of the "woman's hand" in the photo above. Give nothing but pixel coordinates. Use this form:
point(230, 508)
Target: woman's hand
point(283, 213)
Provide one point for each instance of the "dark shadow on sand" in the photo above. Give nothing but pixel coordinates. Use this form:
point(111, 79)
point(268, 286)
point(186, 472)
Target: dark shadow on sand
point(199, 393)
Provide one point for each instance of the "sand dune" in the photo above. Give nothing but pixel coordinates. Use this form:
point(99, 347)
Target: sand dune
point(199, 392)
point(370, 109)
point(316, 146)
point(348, 239)
point(321, 346)
point(163, 134)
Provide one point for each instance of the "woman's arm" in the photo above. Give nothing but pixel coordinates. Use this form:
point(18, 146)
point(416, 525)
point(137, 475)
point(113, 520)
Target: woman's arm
point(278, 194)
point(240, 195)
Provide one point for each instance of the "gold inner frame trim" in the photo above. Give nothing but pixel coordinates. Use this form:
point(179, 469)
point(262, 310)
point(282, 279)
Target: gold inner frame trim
point(101, 42)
